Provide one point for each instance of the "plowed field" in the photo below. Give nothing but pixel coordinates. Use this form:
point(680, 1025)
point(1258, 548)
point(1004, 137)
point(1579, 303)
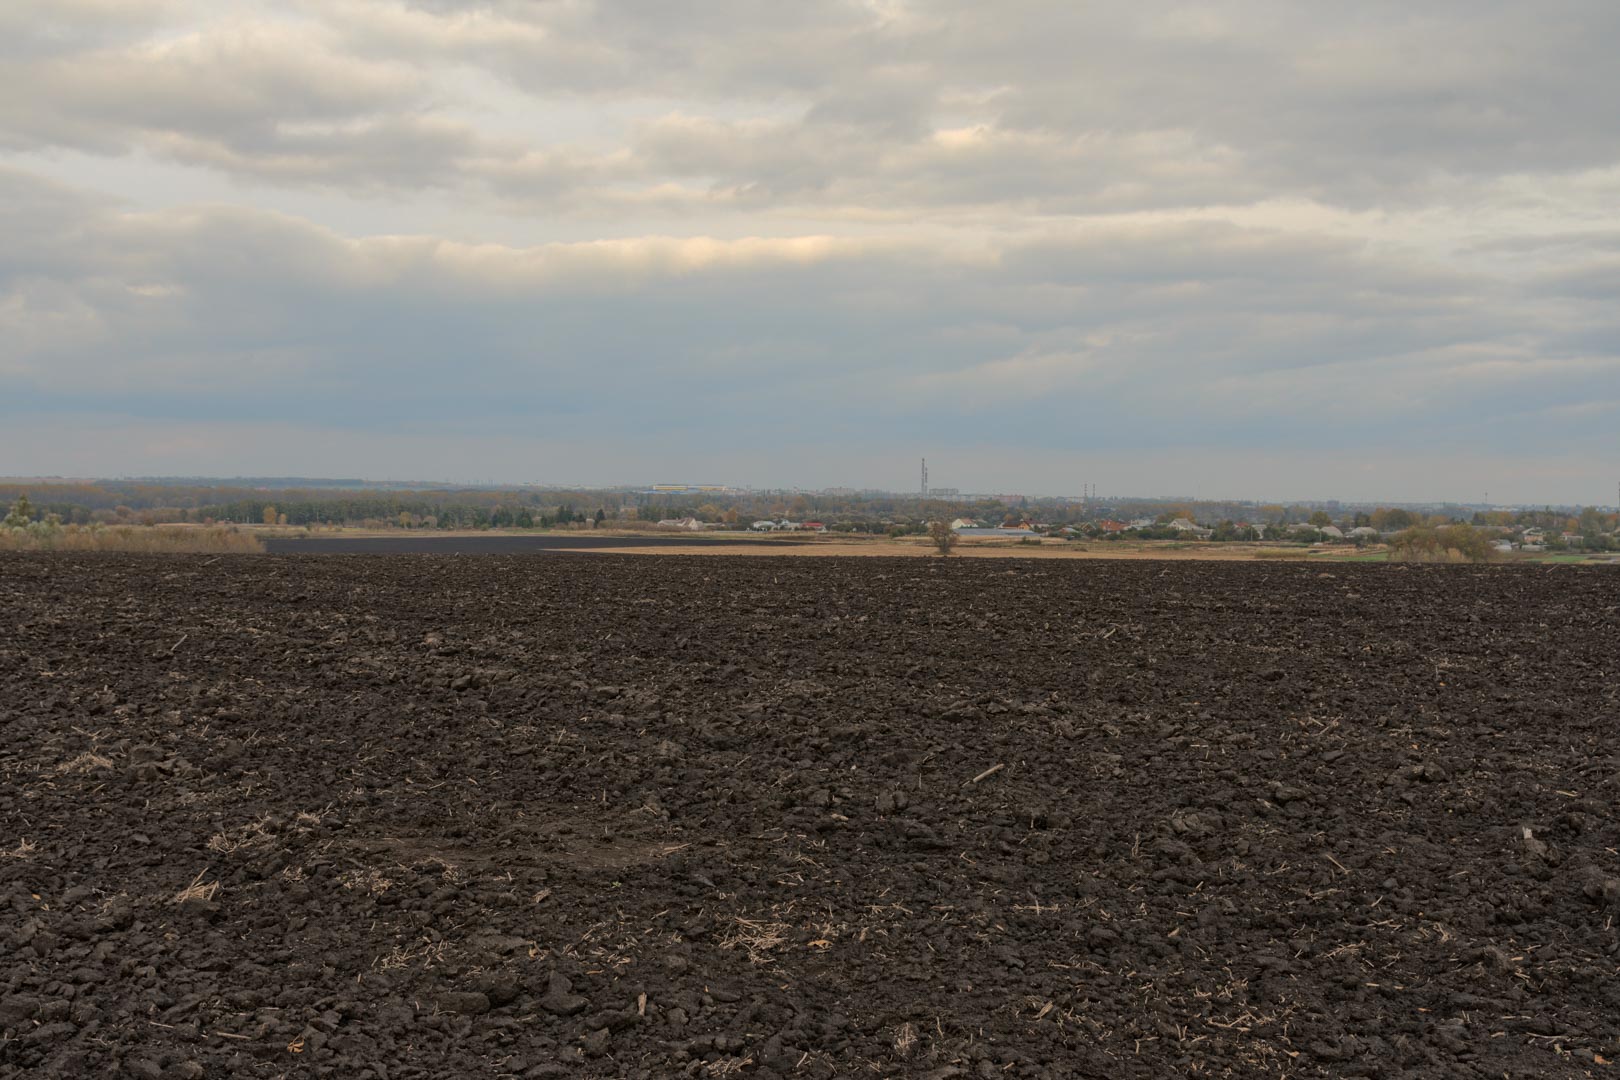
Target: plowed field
point(388, 817)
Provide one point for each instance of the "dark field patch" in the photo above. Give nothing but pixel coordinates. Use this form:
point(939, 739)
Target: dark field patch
point(618, 816)
point(499, 544)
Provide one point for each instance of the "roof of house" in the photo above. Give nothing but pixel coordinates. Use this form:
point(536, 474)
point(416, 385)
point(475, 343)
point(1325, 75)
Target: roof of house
point(972, 533)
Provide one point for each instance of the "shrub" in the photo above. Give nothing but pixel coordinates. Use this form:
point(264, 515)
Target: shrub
point(22, 513)
point(50, 535)
point(942, 536)
point(1446, 544)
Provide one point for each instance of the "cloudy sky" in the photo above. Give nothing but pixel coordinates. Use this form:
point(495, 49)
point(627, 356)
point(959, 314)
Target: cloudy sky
point(1260, 248)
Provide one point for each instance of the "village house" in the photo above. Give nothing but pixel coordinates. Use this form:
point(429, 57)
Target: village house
point(1188, 527)
point(993, 533)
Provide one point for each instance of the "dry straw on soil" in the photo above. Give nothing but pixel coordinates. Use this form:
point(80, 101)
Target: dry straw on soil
point(758, 937)
point(87, 762)
point(138, 539)
point(197, 890)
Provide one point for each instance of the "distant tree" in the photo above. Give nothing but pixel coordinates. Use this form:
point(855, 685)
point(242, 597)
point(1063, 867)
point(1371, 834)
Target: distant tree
point(944, 537)
point(601, 516)
point(1447, 543)
point(1321, 519)
point(22, 512)
point(268, 515)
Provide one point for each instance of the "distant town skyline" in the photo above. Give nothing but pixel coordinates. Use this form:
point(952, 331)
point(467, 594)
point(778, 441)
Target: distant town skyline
point(1256, 247)
point(719, 490)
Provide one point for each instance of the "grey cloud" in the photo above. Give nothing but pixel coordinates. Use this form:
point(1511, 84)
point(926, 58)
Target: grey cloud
point(843, 107)
point(1350, 103)
point(1259, 225)
point(46, 27)
point(274, 102)
point(1207, 330)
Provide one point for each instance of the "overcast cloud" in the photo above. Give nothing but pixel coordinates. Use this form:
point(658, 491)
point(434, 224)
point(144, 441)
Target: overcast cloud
point(1252, 249)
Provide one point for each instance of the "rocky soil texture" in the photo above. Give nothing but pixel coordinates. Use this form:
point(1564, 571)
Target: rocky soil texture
point(599, 815)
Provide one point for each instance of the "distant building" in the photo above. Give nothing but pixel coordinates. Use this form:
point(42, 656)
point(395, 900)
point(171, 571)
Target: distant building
point(687, 523)
point(1188, 527)
point(990, 534)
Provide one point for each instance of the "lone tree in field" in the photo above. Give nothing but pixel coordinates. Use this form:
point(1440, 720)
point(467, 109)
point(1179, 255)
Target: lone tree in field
point(943, 536)
point(22, 512)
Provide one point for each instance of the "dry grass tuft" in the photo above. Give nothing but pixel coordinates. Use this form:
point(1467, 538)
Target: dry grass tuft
point(371, 882)
point(23, 850)
point(759, 938)
point(253, 834)
point(197, 890)
point(87, 762)
point(426, 955)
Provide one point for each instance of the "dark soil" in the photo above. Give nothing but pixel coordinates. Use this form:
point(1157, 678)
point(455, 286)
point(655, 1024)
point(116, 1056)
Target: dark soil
point(616, 816)
point(428, 543)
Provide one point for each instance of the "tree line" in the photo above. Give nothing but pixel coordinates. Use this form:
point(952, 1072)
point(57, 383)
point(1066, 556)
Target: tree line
point(141, 502)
